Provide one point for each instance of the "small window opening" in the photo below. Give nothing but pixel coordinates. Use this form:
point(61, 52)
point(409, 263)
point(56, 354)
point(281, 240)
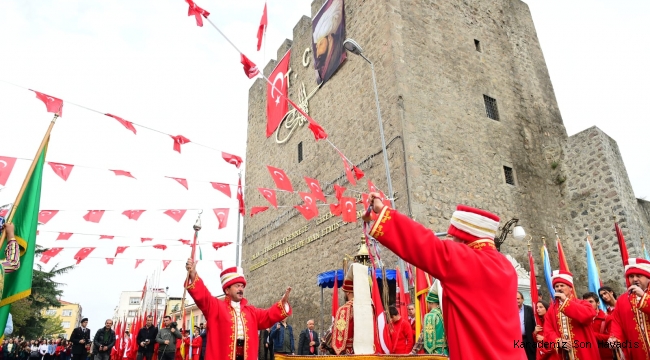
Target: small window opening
point(300, 151)
point(477, 44)
point(510, 177)
point(491, 107)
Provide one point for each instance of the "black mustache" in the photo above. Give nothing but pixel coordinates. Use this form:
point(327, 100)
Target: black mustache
point(240, 293)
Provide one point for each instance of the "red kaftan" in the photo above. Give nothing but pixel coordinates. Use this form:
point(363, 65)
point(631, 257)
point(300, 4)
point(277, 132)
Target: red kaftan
point(220, 315)
point(629, 317)
point(402, 337)
point(197, 342)
point(577, 315)
point(601, 332)
point(480, 311)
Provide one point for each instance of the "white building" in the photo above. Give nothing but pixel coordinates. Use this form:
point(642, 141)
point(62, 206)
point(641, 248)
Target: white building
point(134, 303)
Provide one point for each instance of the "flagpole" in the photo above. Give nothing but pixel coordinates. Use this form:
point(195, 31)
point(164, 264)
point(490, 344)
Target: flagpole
point(238, 231)
point(196, 227)
point(29, 175)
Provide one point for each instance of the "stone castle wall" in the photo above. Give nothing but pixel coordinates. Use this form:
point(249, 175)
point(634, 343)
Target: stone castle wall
point(442, 147)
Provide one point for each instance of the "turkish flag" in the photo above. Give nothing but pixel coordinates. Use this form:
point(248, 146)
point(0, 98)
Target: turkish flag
point(240, 198)
point(122, 173)
point(276, 102)
point(3, 213)
point(349, 209)
point(184, 242)
point(348, 172)
point(306, 212)
point(269, 195)
point(125, 123)
point(219, 264)
point(382, 335)
point(133, 214)
point(94, 215)
point(53, 105)
point(357, 173)
point(310, 201)
point(166, 263)
point(264, 21)
point(250, 68)
point(372, 188)
point(224, 188)
point(180, 181)
point(222, 216)
point(197, 12)
point(46, 215)
point(160, 246)
point(232, 159)
point(83, 253)
point(178, 141)
point(336, 209)
point(339, 191)
point(176, 214)
point(316, 129)
point(258, 209)
point(106, 237)
point(64, 236)
point(110, 261)
point(45, 259)
point(120, 250)
point(63, 170)
point(138, 262)
point(52, 252)
point(315, 188)
point(281, 180)
point(217, 245)
point(6, 165)
point(145, 239)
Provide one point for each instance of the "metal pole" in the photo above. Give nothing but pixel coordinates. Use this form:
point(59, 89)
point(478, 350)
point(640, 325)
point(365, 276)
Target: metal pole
point(400, 262)
point(322, 315)
point(238, 229)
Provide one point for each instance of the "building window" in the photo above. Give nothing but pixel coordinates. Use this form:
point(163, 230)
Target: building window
point(300, 151)
point(491, 107)
point(159, 301)
point(509, 174)
point(477, 44)
point(50, 312)
point(134, 301)
point(132, 313)
point(67, 313)
point(65, 324)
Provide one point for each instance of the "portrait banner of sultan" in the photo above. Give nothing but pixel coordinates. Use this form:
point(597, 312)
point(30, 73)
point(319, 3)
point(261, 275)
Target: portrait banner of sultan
point(328, 35)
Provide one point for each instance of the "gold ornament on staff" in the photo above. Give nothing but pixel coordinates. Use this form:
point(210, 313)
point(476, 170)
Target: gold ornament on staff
point(197, 228)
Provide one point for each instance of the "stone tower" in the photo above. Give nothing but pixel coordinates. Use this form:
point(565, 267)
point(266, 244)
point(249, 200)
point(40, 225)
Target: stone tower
point(470, 117)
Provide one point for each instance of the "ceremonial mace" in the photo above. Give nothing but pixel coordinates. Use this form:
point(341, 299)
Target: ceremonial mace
point(197, 228)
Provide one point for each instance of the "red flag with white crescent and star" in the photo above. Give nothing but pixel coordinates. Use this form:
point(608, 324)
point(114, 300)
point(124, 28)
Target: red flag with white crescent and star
point(127, 124)
point(6, 165)
point(224, 188)
point(196, 11)
point(122, 173)
point(339, 190)
point(240, 198)
point(222, 216)
point(315, 188)
point(46, 215)
point(110, 261)
point(258, 209)
point(264, 21)
point(250, 68)
point(64, 236)
point(120, 250)
point(310, 202)
point(218, 245)
point(83, 253)
point(281, 179)
point(348, 171)
point(165, 264)
point(349, 209)
point(106, 237)
point(94, 216)
point(145, 239)
point(45, 259)
point(185, 242)
point(306, 212)
point(269, 195)
point(53, 105)
point(180, 181)
point(276, 105)
point(219, 264)
point(160, 246)
point(232, 159)
point(178, 141)
point(176, 214)
point(133, 214)
point(62, 170)
point(52, 252)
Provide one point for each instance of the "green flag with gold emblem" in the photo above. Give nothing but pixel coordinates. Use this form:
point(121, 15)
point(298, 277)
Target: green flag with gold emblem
point(18, 284)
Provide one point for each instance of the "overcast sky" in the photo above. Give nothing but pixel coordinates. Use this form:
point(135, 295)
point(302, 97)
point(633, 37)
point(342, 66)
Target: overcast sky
point(147, 62)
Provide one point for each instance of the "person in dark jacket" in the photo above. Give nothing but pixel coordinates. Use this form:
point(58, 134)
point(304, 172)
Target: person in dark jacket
point(264, 351)
point(308, 340)
point(146, 340)
point(204, 340)
point(282, 335)
point(527, 322)
point(80, 338)
point(104, 341)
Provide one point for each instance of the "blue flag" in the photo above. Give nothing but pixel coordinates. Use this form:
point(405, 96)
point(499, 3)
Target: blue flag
point(645, 253)
point(593, 278)
point(547, 271)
